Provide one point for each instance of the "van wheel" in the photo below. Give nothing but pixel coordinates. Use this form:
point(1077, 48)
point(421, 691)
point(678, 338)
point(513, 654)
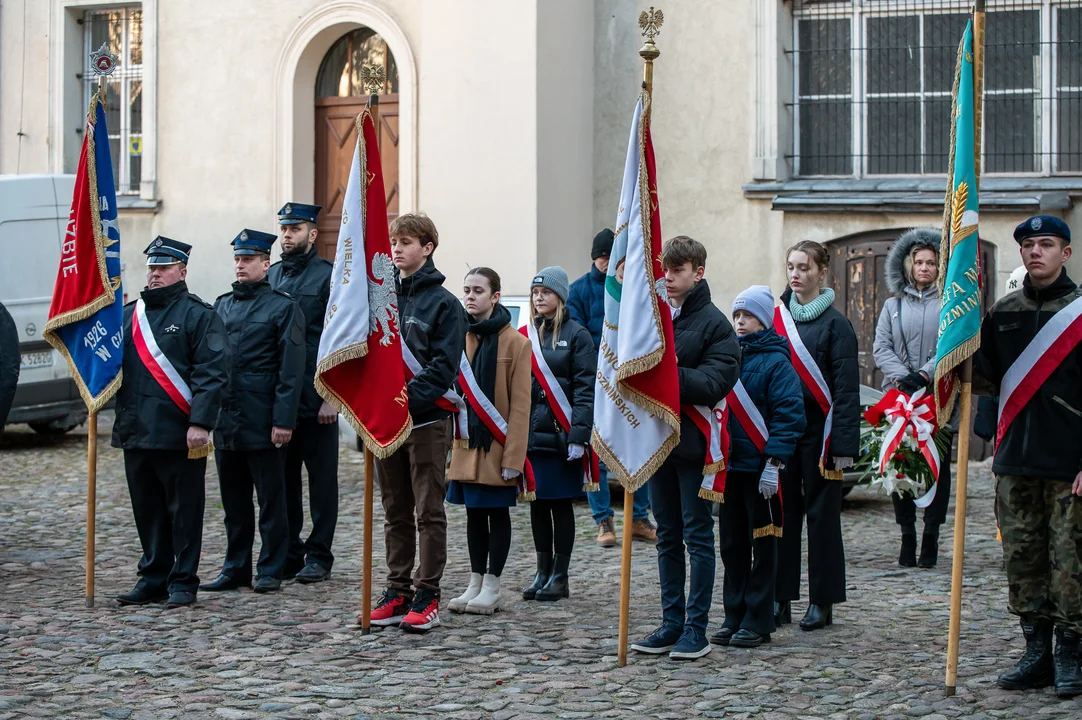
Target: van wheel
point(52, 427)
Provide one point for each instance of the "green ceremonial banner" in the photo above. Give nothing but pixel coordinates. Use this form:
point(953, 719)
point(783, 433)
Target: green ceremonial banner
point(959, 261)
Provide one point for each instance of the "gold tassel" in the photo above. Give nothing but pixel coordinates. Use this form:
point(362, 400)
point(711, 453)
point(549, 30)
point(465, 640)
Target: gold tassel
point(714, 468)
point(201, 452)
point(830, 474)
point(460, 444)
point(527, 496)
point(591, 487)
point(711, 495)
point(766, 531)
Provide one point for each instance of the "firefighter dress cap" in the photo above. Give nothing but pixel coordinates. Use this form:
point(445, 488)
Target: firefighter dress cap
point(253, 242)
point(166, 251)
point(1042, 225)
point(293, 213)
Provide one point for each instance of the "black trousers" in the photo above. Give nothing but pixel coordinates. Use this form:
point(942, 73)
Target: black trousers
point(238, 472)
point(748, 527)
point(167, 498)
point(316, 447)
point(905, 511)
point(805, 492)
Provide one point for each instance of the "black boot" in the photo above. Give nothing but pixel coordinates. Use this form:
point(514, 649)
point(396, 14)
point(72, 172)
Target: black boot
point(817, 617)
point(556, 587)
point(1035, 668)
point(1065, 659)
point(929, 547)
point(544, 569)
point(783, 613)
point(907, 556)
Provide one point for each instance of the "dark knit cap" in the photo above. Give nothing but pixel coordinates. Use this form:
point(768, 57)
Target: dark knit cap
point(602, 244)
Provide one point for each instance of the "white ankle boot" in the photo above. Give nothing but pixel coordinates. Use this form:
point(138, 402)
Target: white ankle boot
point(472, 590)
point(488, 600)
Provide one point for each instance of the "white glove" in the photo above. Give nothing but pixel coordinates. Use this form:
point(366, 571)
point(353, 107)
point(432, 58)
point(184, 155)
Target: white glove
point(768, 481)
point(841, 463)
point(575, 451)
point(509, 474)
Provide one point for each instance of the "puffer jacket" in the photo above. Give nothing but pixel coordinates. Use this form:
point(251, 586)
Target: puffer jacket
point(574, 363)
point(586, 302)
point(1042, 441)
point(774, 387)
point(833, 344)
point(708, 362)
point(10, 362)
point(908, 328)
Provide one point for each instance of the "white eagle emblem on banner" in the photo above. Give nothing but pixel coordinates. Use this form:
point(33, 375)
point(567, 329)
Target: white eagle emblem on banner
point(382, 298)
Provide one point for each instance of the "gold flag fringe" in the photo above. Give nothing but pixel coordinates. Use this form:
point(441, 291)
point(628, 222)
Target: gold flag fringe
point(712, 495)
point(616, 468)
point(527, 496)
point(766, 531)
point(201, 452)
point(460, 444)
point(380, 451)
point(948, 365)
point(830, 474)
point(591, 487)
point(948, 200)
point(714, 468)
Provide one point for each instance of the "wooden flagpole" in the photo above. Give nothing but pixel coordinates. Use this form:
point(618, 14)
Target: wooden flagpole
point(965, 375)
point(91, 501)
point(650, 23)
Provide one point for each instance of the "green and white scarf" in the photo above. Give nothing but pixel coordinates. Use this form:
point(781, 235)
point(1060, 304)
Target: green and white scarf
point(818, 306)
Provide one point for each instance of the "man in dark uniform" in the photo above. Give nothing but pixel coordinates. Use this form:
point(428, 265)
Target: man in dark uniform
point(307, 279)
point(265, 335)
point(175, 369)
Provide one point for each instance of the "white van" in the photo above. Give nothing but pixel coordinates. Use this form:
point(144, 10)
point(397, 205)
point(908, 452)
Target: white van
point(33, 217)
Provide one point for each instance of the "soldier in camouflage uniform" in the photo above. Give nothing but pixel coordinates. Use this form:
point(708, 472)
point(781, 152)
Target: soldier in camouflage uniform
point(1037, 464)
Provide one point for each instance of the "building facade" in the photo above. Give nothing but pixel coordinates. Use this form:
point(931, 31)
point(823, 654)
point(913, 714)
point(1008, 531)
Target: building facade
point(774, 121)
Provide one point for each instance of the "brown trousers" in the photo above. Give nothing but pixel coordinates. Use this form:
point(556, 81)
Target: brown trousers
point(412, 486)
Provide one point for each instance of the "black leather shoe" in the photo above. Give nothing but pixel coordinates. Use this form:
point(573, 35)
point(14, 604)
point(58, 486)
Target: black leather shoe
point(139, 596)
point(225, 581)
point(266, 584)
point(557, 585)
point(817, 617)
point(929, 551)
point(722, 637)
point(544, 569)
point(180, 599)
point(783, 613)
point(1068, 681)
point(1035, 668)
point(907, 556)
point(292, 570)
point(748, 638)
point(313, 573)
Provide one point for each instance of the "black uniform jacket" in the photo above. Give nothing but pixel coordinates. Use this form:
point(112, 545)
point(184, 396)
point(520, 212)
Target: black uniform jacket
point(1043, 440)
point(574, 363)
point(192, 337)
point(833, 344)
point(434, 327)
point(307, 279)
point(708, 361)
point(265, 335)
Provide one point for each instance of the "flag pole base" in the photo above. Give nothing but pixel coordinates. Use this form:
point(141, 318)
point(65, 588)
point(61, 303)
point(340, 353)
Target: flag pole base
point(948, 691)
point(90, 601)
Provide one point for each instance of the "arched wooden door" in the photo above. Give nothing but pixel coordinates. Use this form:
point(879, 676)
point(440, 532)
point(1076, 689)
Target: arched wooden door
point(339, 99)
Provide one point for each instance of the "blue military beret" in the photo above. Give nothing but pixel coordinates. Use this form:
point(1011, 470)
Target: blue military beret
point(293, 213)
point(253, 242)
point(166, 251)
point(1042, 225)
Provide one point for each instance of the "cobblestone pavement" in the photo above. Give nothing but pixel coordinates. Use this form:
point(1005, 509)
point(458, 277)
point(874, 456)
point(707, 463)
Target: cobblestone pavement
point(299, 653)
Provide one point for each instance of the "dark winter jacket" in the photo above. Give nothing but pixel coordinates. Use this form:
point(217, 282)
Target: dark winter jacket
point(908, 328)
point(831, 341)
point(774, 387)
point(574, 363)
point(192, 337)
point(1043, 439)
point(586, 302)
point(10, 363)
point(434, 328)
point(708, 358)
point(307, 279)
point(265, 336)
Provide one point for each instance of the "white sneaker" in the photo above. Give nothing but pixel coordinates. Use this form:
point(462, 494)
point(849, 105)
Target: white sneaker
point(488, 600)
point(458, 605)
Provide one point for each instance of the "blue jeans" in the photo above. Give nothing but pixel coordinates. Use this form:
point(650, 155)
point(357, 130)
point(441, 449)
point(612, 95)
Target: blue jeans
point(601, 500)
point(683, 520)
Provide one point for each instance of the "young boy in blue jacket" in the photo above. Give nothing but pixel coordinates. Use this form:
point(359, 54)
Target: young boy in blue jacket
point(750, 519)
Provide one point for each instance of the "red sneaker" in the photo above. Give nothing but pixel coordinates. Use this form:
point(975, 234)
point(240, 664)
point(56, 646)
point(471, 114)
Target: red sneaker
point(391, 608)
point(424, 614)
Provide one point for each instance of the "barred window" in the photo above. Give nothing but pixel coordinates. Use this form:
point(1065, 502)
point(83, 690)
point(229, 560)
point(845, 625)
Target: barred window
point(873, 81)
point(122, 30)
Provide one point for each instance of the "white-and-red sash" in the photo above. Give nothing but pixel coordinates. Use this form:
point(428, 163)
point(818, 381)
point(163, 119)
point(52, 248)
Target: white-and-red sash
point(751, 420)
point(713, 423)
point(560, 405)
point(1048, 348)
point(156, 362)
point(450, 401)
point(496, 423)
point(915, 416)
point(810, 375)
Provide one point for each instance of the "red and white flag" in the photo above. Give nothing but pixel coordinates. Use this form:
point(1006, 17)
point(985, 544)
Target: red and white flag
point(637, 395)
point(361, 370)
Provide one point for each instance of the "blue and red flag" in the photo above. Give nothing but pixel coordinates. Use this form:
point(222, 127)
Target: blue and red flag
point(86, 316)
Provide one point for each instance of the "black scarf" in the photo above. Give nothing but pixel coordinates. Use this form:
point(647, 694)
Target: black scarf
point(294, 263)
point(484, 369)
